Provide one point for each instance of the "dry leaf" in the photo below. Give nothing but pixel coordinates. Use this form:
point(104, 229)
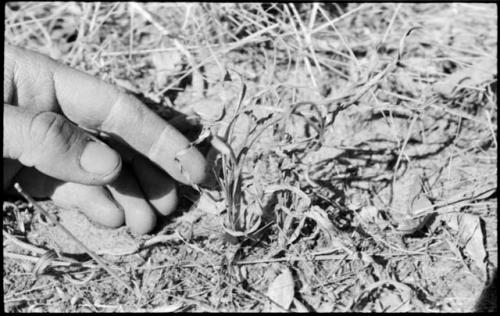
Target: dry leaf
point(413, 202)
point(389, 301)
point(411, 225)
point(210, 206)
point(166, 64)
point(470, 233)
point(321, 218)
point(420, 203)
point(281, 291)
point(473, 76)
point(323, 222)
point(209, 109)
point(368, 214)
point(299, 307)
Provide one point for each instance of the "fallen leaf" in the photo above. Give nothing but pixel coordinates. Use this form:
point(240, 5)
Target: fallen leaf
point(416, 202)
point(410, 226)
point(471, 237)
point(368, 214)
point(299, 307)
point(281, 291)
point(321, 218)
point(209, 205)
point(389, 301)
point(420, 203)
point(166, 64)
point(473, 76)
point(209, 108)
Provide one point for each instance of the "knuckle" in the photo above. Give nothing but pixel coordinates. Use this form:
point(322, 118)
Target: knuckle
point(51, 129)
point(44, 124)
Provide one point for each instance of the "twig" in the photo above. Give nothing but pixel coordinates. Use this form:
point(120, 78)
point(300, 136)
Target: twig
point(57, 263)
point(401, 153)
point(343, 16)
point(146, 15)
point(23, 244)
point(291, 259)
point(391, 22)
point(64, 229)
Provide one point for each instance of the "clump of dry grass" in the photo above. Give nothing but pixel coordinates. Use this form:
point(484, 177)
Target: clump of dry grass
point(324, 145)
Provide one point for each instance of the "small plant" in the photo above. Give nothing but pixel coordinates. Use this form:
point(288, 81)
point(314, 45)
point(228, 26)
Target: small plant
point(242, 207)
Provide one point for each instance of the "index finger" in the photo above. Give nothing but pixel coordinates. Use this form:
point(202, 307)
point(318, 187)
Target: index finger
point(97, 105)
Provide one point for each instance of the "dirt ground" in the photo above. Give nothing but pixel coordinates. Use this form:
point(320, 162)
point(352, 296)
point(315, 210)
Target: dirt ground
point(359, 171)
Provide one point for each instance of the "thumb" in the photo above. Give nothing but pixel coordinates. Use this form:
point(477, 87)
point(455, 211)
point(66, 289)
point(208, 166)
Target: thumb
point(56, 147)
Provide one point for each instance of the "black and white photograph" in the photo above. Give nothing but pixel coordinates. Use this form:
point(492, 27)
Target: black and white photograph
point(234, 157)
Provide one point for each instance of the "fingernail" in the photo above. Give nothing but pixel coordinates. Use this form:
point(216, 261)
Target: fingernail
point(99, 159)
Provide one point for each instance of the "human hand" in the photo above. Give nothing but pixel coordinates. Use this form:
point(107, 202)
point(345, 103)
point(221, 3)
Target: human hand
point(50, 114)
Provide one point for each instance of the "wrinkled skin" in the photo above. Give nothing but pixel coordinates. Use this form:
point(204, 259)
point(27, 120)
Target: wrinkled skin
point(53, 112)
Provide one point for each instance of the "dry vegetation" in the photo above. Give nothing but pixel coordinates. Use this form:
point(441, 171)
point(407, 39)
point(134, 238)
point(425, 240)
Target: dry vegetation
point(355, 146)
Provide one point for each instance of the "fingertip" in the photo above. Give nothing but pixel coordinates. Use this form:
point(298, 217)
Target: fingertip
point(111, 216)
point(178, 157)
point(192, 168)
point(142, 225)
point(165, 204)
point(139, 214)
point(94, 201)
point(198, 169)
point(159, 188)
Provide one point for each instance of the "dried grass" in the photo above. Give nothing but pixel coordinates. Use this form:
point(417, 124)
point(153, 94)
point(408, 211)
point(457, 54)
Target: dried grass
point(332, 114)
